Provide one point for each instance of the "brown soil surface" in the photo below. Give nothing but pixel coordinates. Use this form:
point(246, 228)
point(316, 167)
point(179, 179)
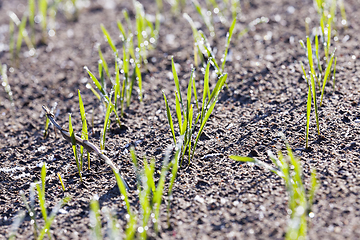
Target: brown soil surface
point(216, 197)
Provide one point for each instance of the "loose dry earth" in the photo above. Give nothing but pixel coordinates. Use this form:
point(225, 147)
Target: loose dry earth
point(215, 198)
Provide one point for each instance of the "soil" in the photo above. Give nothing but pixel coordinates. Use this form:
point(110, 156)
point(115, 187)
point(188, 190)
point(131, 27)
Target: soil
point(216, 197)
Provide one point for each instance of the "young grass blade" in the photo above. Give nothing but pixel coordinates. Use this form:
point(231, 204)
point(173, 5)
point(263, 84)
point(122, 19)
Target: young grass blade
point(308, 106)
point(343, 13)
point(197, 39)
point(139, 80)
point(101, 74)
point(209, 52)
point(118, 65)
point(315, 102)
point(122, 188)
point(97, 83)
point(108, 38)
point(51, 218)
point(168, 113)
point(122, 30)
point(206, 90)
point(106, 124)
point(257, 162)
point(178, 113)
point(327, 73)
point(131, 228)
point(95, 221)
point(129, 88)
point(73, 143)
point(103, 62)
point(188, 95)
point(20, 35)
point(317, 53)
point(334, 72)
point(228, 39)
point(310, 59)
point(308, 111)
point(218, 87)
point(160, 187)
point(43, 7)
point(314, 186)
point(195, 92)
point(312, 82)
point(61, 182)
point(88, 86)
point(31, 4)
point(205, 17)
point(328, 42)
point(207, 115)
point(242, 159)
point(176, 79)
point(84, 132)
point(190, 129)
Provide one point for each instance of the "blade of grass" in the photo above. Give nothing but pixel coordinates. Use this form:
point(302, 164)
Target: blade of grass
point(228, 39)
point(334, 72)
point(73, 143)
point(84, 132)
point(103, 62)
point(108, 38)
point(95, 221)
point(139, 80)
point(61, 182)
point(31, 5)
point(327, 73)
point(106, 124)
point(168, 113)
point(312, 82)
point(52, 216)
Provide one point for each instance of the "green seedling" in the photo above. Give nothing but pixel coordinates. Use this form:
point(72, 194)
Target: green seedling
point(150, 197)
point(108, 38)
point(43, 10)
point(5, 83)
point(95, 221)
point(85, 143)
point(185, 111)
point(39, 233)
point(313, 80)
point(32, 7)
point(106, 126)
point(22, 35)
point(146, 35)
point(103, 64)
point(73, 143)
point(212, 4)
point(203, 49)
point(300, 202)
point(84, 132)
point(343, 13)
point(228, 40)
point(205, 17)
point(104, 96)
point(61, 182)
